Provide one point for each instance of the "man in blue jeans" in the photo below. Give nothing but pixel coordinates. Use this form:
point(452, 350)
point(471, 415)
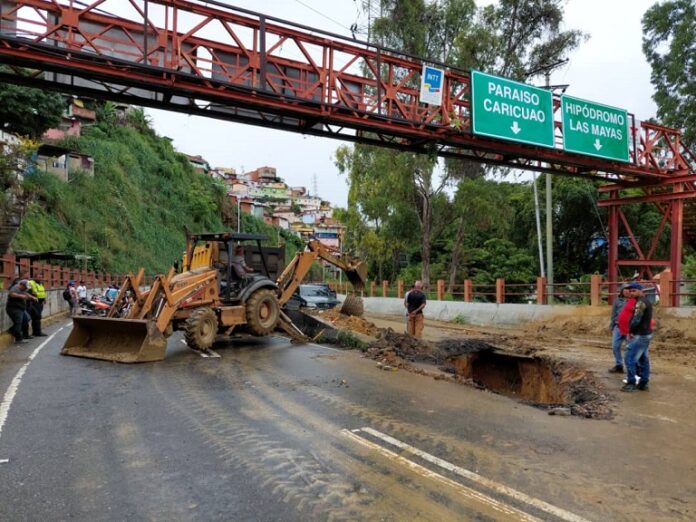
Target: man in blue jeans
point(617, 339)
point(639, 337)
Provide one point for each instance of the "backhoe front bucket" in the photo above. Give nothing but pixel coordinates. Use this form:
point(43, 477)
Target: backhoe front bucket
point(118, 340)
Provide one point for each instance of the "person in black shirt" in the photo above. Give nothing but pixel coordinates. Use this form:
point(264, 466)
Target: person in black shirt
point(639, 337)
point(16, 308)
point(415, 302)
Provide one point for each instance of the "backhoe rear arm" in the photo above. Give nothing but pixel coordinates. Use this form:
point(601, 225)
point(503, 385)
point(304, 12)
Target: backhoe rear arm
point(297, 269)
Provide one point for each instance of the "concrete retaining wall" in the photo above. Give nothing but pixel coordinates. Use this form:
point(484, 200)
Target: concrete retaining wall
point(497, 314)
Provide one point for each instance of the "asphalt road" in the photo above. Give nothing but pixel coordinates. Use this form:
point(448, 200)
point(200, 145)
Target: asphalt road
point(272, 431)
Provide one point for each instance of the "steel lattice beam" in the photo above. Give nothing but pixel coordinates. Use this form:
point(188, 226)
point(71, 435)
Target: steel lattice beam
point(210, 59)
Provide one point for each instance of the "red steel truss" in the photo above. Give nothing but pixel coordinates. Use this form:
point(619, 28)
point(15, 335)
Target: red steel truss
point(207, 58)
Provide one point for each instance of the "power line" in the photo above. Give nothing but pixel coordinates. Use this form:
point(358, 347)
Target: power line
point(323, 15)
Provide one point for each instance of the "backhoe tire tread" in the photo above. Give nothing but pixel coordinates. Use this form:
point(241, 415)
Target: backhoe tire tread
point(262, 312)
point(352, 305)
point(200, 329)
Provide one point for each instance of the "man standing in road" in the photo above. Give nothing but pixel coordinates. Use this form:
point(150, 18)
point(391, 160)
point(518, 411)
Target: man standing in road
point(36, 289)
point(639, 337)
point(81, 291)
point(17, 300)
point(74, 299)
point(415, 302)
point(617, 338)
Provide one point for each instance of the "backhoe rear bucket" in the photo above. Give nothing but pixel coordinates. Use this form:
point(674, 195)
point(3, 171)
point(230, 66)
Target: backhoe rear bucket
point(118, 340)
point(357, 274)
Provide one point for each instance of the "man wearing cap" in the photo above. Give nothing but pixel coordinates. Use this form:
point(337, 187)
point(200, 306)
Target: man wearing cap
point(639, 336)
point(617, 338)
point(16, 308)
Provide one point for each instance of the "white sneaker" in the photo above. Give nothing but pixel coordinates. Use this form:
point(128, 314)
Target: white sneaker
point(625, 381)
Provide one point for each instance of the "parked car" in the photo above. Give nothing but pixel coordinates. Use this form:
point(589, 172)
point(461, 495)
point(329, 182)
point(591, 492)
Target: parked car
point(313, 296)
point(330, 290)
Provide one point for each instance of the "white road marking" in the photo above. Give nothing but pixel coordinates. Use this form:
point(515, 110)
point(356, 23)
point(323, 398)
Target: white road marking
point(658, 417)
point(513, 513)
point(14, 385)
point(207, 354)
point(4, 461)
point(325, 347)
point(475, 477)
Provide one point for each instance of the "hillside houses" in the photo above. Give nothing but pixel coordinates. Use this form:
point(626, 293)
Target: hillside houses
point(264, 195)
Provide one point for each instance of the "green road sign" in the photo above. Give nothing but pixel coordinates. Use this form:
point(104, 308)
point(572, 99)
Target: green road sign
point(594, 129)
point(510, 110)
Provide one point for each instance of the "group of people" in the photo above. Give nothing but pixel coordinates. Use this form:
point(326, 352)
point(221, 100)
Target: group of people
point(25, 302)
point(73, 293)
point(632, 323)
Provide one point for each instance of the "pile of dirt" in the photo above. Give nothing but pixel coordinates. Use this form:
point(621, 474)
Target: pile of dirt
point(396, 349)
point(400, 349)
point(583, 394)
point(350, 322)
point(592, 326)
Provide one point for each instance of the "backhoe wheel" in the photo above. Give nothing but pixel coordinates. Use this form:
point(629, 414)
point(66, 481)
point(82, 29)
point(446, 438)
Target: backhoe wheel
point(352, 305)
point(200, 329)
point(262, 312)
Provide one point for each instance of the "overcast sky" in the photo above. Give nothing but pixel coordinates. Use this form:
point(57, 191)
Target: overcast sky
point(608, 68)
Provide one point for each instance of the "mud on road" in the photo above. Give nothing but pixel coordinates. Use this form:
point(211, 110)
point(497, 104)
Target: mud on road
point(493, 363)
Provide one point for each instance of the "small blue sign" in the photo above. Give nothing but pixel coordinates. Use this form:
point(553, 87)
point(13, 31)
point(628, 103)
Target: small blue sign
point(432, 80)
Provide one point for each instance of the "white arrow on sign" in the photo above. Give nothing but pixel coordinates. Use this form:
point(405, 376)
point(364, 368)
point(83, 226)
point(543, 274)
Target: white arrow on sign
point(515, 128)
point(597, 145)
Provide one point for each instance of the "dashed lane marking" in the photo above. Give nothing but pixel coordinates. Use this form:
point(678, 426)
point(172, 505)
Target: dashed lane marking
point(475, 477)
point(14, 385)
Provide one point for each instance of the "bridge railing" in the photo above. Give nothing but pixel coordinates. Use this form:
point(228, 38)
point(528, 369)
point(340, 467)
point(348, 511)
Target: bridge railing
point(55, 276)
point(595, 292)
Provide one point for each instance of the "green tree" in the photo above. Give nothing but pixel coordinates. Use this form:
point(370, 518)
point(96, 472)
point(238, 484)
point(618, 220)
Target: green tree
point(669, 44)
point(511, 38)
point(500, 258)
point(27, 111)
point(480, 206)
point(376, 210)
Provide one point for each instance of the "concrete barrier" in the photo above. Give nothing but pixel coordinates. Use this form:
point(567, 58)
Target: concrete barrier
point(482, 314)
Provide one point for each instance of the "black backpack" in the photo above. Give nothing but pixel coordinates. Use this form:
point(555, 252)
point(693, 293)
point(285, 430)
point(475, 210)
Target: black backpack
point(66, 294)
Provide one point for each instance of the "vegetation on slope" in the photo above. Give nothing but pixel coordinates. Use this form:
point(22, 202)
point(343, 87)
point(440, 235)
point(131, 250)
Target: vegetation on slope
point(133, 211)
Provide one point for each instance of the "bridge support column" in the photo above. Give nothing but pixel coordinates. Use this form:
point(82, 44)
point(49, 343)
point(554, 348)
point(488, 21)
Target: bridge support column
point(645, 259)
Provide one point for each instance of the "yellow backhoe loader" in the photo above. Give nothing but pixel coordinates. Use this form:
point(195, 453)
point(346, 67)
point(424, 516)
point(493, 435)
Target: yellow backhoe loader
point(208, 298)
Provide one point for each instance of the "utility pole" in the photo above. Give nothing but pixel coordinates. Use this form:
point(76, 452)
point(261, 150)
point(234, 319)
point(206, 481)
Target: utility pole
point(538, 226)
point(239, 215)
point(549, 223)
point(549, 200)
point(84, 245)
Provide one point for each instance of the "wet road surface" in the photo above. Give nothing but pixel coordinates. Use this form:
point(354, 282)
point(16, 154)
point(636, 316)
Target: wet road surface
point(272, 431)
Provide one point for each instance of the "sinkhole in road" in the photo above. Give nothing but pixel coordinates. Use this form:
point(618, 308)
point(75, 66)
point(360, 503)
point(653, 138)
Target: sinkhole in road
point(523, 377)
